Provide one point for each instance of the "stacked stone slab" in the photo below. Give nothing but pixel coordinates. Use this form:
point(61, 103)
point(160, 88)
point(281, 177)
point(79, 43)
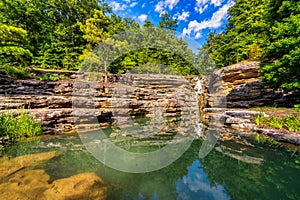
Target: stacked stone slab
point(242, 87)
point(123, 97)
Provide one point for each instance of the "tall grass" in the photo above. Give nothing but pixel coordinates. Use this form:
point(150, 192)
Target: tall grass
point(17, 127)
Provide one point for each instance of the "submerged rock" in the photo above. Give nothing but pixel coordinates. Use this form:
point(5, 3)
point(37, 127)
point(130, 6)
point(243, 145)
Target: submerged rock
point(19, 179)
point(80, 186)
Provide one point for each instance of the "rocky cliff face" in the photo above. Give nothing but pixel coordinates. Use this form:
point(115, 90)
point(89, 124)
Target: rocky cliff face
point(240, 86)
point(58, 105)
point(231, 90)
point(131, 96)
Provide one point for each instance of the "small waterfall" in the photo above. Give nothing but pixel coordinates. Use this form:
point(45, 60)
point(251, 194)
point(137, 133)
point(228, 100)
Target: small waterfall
point(199, 89)
point(199, 86)
point(199, 130)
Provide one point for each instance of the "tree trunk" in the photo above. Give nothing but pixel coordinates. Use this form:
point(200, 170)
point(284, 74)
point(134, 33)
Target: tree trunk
point(105, 71)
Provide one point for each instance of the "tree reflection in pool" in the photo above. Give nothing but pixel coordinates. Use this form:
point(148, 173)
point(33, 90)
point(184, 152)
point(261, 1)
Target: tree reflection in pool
point(231, 171)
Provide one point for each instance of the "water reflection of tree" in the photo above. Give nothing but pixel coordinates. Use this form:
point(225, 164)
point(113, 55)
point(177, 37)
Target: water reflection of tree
point(276, 178)
point(125, 185)
point(160, 183)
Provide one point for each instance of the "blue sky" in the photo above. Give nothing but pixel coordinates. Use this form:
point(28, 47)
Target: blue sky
point(196, 17)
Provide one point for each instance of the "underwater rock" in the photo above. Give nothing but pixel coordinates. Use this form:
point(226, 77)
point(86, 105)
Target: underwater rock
point(80, 186)
point(20, 179)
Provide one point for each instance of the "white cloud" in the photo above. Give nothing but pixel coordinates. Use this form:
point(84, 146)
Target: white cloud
point(201, 9)
point(143, 5)
point(171, 3)
point(215, 21)
point(161, 6)
point(127, 1)
point(185, 32)
point(133, 4)
point(201, 2)
point(198, 35)
point(216, 2)
point(196, 182)
point(142, 17)
point(183, 16)
point(211, 2)
point(117, 6)
point(202, 5)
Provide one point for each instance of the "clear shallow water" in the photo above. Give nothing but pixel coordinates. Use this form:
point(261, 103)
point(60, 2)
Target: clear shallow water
point(230, 171)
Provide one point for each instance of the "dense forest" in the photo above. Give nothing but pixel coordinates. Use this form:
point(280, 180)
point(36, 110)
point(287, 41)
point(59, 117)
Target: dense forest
point(262, 30)
point(61, 34)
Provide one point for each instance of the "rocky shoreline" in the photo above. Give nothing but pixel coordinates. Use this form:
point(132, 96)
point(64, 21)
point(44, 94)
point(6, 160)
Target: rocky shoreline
point(240, 122)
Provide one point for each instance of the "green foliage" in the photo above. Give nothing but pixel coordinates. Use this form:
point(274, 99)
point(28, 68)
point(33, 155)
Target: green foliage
point(18, 127)
point(266, 140)
point(266, 31)
point(145, 49)
point(260, 119)
point(243, 37)
point(52, 27)
point(203, 62)
point(52, 77)
point(65, 34)
point(275, 122)
point(280, 66)
point(289, 122)
point(167, 23)
point(14, 71)
point(297, 107)
point(292, 123)
point(14, 45)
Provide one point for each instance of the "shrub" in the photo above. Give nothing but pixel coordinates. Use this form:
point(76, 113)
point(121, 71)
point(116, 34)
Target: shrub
point(292, 123)
point(297, 107)
point(275, 122)
point(265, 140)
point(18, 127)
point(260, 119)
point(13, 71)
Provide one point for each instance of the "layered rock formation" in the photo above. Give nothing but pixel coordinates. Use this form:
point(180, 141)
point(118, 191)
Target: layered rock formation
point(58, 105)
point(231, 90)
point(241, 86)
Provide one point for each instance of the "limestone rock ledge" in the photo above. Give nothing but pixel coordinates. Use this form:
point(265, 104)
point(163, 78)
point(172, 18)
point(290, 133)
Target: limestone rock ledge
point(241, 86)
point(240, 123)
point(228, 91)
point(97, 104)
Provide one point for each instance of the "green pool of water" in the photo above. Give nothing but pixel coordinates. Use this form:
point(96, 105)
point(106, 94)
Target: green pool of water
point(230, 171)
